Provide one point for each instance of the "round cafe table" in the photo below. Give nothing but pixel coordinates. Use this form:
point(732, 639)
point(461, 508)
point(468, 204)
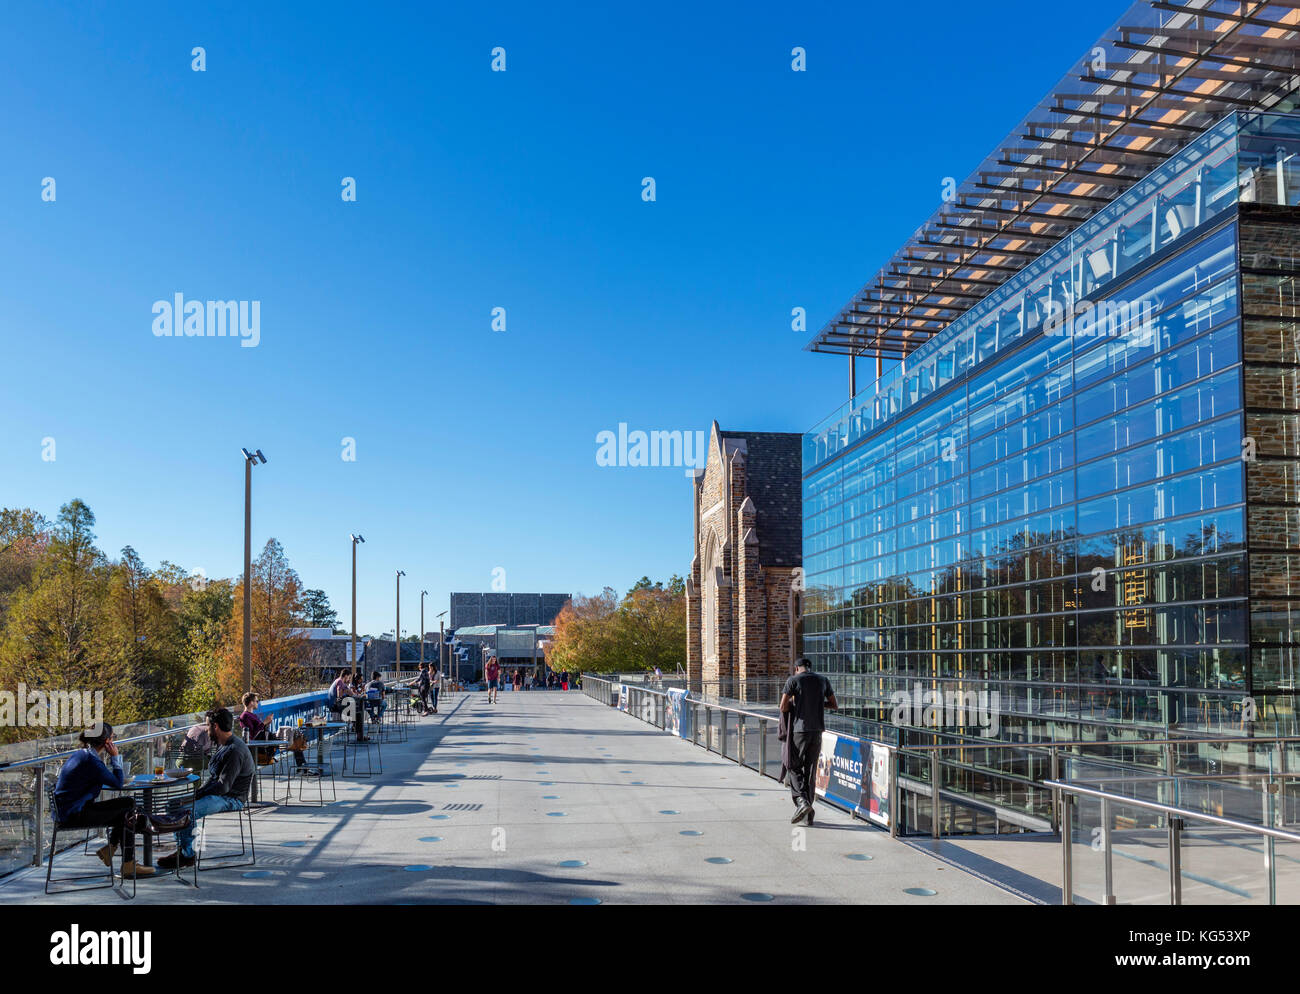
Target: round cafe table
point(170, 788)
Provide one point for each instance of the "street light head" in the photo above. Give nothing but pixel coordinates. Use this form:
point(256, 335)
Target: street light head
point(247, 454)
point(358, 538)
point(401, 572)
point(260, 456)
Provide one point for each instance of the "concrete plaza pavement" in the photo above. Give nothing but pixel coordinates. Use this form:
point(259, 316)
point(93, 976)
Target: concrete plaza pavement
point(486, 802)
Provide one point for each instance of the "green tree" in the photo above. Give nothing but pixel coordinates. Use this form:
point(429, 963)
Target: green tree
point(52, 636)
point(142, 632)
point(316, 608)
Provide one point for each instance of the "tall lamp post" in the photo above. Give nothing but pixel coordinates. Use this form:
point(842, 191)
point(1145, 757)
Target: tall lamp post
point(251, 459)
point(355, 540)
point(423, 595)
point(397, 631)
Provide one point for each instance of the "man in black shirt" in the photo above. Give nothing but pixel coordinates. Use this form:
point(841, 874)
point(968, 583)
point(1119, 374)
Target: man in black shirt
point(804, 698)
point(230, 773)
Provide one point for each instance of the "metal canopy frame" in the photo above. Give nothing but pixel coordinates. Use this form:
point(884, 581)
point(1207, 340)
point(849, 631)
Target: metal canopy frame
point(1166, 71)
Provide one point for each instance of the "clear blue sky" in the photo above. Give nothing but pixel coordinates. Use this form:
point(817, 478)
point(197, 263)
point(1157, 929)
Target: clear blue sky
point(475, 449)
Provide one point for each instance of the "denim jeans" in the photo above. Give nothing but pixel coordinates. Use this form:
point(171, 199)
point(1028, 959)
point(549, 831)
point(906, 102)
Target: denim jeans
point(204, 806)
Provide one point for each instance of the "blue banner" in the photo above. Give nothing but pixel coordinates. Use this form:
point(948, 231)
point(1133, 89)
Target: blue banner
point(839, 770)
point(854, 775)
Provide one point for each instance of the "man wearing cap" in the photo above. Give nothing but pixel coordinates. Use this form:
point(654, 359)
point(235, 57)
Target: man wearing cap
point(804, 698)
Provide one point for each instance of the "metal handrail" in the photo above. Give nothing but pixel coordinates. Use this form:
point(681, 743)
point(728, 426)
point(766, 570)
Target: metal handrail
point(1173, 810)
point(53, 757)
point(700, 703)
point(1174, 815)
point(1188, 776)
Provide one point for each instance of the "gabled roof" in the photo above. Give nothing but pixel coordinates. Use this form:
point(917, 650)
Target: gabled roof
point(774, 481)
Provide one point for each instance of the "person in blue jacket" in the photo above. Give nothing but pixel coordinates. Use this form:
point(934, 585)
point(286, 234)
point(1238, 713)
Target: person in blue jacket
point(77, 804)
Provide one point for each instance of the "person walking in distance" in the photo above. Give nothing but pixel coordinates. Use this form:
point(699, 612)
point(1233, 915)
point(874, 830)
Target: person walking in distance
point(493, 679)
point(804, 698)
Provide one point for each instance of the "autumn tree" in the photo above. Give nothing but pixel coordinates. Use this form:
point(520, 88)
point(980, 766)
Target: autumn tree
point(279, 658)
point(604, 634)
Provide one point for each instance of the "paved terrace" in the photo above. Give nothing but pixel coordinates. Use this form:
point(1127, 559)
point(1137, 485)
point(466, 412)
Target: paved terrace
point(487, 801)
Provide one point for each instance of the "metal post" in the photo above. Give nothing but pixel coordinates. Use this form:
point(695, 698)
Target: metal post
point(354, 601)
point(1108, 871)
point(936, 805)
point(762, 747)
point(740, 737)
point(422, 594)
point(397, 632)
point(894, 793)
point(1176, 826)
point(1067, 856)
point(853, 359)
point(39, 853)
point(1270, 820)
point(1281, 176)
point(248, 573)
point(1055, 768)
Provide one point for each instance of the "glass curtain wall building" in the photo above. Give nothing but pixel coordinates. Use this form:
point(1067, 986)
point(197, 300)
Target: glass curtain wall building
point(1071, 509)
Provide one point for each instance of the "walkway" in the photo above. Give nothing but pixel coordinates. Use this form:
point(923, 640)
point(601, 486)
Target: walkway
point(553, 798)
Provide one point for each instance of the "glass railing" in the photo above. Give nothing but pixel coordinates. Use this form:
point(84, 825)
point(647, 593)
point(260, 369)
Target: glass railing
point(1244, 158)
point(29, 770)
point(1179, 840)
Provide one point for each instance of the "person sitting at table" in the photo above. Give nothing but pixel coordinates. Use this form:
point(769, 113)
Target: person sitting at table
point(229, 775)
point(196, 747)
point(256, 729)
point(76, 794)
point(375, 702)
point(339, 693)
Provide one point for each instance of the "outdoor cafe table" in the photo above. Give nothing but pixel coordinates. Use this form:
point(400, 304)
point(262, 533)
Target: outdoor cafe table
point(320, 739)
point(257, 767)
point(145, 784)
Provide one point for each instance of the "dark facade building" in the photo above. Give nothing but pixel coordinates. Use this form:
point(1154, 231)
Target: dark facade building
point(1074, 486)
point(500, 608)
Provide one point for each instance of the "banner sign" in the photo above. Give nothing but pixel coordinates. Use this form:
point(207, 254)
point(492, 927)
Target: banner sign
point(854, 775)
point(876, 799)
point(839, 770)
point(677, 720)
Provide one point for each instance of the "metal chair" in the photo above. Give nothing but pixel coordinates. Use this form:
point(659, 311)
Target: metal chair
point(50, 879)
point(247, 853)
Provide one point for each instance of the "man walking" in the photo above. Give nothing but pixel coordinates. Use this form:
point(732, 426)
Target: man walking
point(804, 698)
point(493, 679)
